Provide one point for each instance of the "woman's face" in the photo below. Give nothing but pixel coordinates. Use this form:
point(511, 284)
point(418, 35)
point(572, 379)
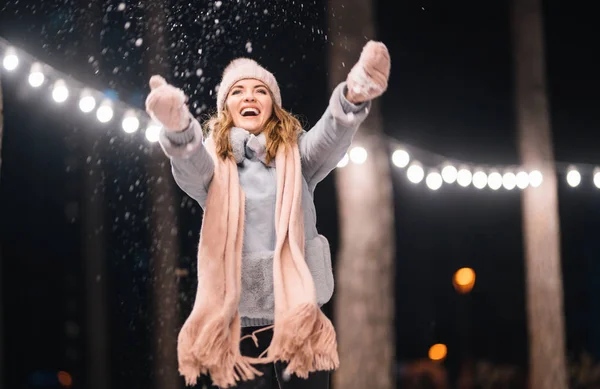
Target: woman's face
point(250, 105)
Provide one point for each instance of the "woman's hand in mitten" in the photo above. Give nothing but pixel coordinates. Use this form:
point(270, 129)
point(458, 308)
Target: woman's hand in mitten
point(167, 105)
point(368, 79)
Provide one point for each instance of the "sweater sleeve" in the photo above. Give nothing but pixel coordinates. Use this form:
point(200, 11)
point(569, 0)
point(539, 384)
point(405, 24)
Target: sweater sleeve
point(322, 148)
point(191, 164)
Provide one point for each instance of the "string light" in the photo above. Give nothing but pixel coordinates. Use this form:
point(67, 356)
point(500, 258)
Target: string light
point(62, 86)
point(464, 177)
point(449, 174)
point(415, 173)
point(573, 177)
point(535, 178)
point(36, 77)
point(401, 158)
point(494, 180)
point(358, 155)
point(10, 61)
point(509, 180)
point(444, 171)
point(60, 92)
point(87, 103)
point(480, 179)
point(130, 122)
point(105, 113)
point(434, 180)
point(522, 180)
point(152, 132)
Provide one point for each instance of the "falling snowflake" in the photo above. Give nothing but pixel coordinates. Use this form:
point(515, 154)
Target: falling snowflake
point(199, 72)
point(249, 47)
point(127, 25)
point(138, 42)
point(218, 4)
point(121, 7)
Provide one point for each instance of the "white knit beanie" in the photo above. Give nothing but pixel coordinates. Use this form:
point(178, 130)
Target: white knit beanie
point(243, 68)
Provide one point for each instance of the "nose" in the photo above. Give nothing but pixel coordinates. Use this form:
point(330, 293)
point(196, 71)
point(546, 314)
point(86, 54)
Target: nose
point(249, 97)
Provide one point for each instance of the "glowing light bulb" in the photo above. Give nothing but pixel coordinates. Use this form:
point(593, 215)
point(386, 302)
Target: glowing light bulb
point(464, 280)
point(494, 180)
point(130, 123)
point(522, 180)
point(438, 352)
point(400, 158)
point(434, 180)
point(36, 77)
point(573, 177)
point(449, 174)
point(152, 132)
point(509, 180)
point(87, 104)
point(11, 61)
point(464, 177)
point(597, 177)
point(60, 93)
point(535, 178)
point(358, 155)
point(415, 173)
point(479, 179)
point(104, 113)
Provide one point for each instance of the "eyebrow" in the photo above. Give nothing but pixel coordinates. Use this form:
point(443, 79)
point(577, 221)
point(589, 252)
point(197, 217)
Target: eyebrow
point(256, 86)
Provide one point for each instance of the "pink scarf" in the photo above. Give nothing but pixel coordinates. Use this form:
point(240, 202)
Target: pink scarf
point(209, 339)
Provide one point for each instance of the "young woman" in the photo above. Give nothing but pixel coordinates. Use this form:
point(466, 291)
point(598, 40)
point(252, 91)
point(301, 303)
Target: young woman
point(263, 269)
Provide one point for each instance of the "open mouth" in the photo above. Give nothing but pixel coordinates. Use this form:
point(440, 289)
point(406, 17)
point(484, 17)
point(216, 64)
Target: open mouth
point(249, 112)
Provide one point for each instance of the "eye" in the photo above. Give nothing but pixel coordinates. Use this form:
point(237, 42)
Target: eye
point(235, 92)
point(263, 91)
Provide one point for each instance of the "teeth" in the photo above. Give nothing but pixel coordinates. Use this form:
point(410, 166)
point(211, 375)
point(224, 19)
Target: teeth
point(246, 110)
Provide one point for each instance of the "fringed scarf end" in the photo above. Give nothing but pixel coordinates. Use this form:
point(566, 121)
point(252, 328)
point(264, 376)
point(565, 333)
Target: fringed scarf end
point(324, 343)
point(190, 372)
point(306, 340)
point(213, 351)
point(292, 332)
point(231, 370)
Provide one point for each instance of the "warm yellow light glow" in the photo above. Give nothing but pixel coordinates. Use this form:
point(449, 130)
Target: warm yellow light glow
point(438, 352)
point(464, 280)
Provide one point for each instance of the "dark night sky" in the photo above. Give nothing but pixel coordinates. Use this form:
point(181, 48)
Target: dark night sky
point(450, 92)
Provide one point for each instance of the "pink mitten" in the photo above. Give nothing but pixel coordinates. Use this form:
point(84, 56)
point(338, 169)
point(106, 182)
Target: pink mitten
point(166, 105)
point(368, 79)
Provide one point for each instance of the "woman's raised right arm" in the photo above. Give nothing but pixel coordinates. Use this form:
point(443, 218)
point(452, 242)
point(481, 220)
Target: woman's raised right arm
point(181, 139)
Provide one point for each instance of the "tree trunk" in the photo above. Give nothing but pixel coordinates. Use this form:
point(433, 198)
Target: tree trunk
point(98, 374)
point(541, 232)
point(94, 254)
point(1, 122)
point(364, 300)
point(1, 302)
point(164, 222)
